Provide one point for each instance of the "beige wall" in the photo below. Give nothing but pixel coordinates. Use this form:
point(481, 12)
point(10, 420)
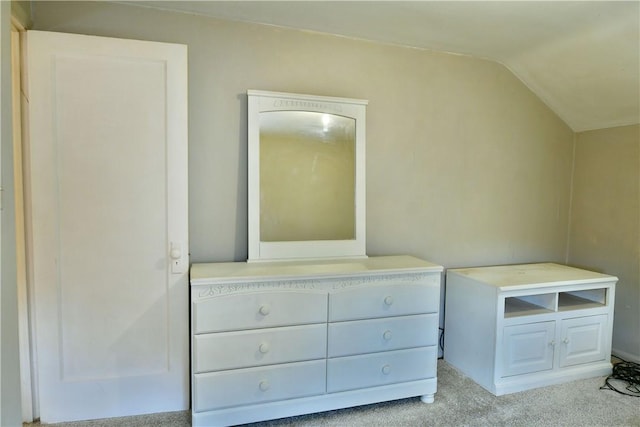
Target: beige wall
point(465, 166)
point(21, 11)
point(605, 222)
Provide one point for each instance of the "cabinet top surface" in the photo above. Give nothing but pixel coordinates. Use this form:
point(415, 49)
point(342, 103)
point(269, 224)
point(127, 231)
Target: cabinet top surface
point(542, 274)
point(205, 273)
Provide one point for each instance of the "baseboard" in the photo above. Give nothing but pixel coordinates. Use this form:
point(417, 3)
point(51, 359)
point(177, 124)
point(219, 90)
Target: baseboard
point(625, 356)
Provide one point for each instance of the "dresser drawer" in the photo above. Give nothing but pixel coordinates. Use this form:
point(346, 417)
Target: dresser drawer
point(389, 333)
point(257, 385)
point(254, 310)
point(231, 350)
point(376, 369)
point(385, 300)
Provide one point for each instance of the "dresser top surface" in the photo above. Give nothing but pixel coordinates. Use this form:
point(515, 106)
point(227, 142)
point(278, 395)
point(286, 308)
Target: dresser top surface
point(202, 273)
point(541, 274)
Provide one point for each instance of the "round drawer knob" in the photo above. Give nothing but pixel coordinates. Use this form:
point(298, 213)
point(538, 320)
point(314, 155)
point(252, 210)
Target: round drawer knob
point(387, 335)
point(386, 369)
point(566, 340)
point(265, 309)
point(388, 300)
point(264, 385)
point(552, 343)
point(264, 348)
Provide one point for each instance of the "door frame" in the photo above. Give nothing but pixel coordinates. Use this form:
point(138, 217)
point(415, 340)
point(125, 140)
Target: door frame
point(19, 122)
point(25, 325)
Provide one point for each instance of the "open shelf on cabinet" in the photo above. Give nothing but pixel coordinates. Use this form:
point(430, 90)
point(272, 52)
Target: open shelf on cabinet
point(526, 305)
point(578, 300)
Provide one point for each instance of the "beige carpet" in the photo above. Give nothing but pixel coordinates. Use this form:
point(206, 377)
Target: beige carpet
point(458, 402)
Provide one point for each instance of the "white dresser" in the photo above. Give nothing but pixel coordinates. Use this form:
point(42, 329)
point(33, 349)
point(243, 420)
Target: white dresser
point(277, 339)
point(512, 328)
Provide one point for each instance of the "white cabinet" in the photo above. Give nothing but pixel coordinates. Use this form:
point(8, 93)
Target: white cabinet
point(512, 328)
point(277, 339)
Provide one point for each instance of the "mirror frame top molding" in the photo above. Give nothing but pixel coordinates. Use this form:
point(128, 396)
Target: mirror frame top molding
point(260, 250)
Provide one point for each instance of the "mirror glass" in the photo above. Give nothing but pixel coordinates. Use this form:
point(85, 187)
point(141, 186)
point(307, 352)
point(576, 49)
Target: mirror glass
point(306, 176)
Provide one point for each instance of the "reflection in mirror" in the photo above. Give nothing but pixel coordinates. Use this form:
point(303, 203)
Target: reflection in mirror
point(307, 176)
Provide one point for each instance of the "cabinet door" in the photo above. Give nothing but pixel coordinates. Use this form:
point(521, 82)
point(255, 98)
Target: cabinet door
point(528, 348)
point(582, 340)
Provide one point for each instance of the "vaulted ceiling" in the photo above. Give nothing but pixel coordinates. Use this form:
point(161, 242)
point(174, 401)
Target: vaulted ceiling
point(582, 58)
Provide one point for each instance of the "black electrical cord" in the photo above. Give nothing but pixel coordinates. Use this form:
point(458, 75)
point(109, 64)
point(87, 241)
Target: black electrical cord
point(624, 372)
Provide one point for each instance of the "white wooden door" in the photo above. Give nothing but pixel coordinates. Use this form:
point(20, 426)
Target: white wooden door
point(107, 167)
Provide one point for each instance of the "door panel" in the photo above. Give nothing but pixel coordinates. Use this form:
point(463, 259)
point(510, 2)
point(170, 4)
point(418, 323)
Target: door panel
point(108, 169)
point(528, 348)
point(583, 340)
point(135, 242)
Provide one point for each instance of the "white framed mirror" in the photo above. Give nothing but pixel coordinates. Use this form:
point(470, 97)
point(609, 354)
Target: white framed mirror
point(306, 176)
